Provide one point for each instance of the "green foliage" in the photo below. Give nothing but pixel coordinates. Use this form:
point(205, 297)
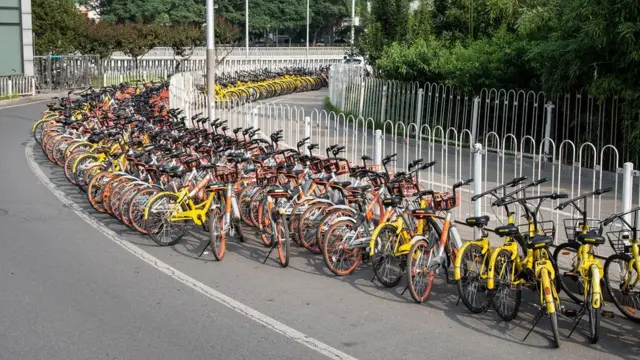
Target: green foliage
point(551, 45)
point(136, 39)
point(98, 39)
point(56, 24)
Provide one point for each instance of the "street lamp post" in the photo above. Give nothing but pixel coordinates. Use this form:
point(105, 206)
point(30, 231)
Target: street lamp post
point(246, 26)
point(307, 29)
point(353, 21)
point(211, 61)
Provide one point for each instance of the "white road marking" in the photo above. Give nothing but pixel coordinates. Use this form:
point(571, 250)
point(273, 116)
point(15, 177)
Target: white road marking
point(29, 103)
point(217, 296)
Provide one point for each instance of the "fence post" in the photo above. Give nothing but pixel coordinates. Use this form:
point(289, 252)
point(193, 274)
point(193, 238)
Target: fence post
point(361, 105)
point(420, 99)
point(384, 103)
point(9, 87)
point(474, 120)
point(33, 86)
point(255, 119)
point(307, 132)
point(377, 149)
point(144, 75)
point(627, 189)
point(343, 95)
point(547, 127)
point(477, 183)
point(104, 80)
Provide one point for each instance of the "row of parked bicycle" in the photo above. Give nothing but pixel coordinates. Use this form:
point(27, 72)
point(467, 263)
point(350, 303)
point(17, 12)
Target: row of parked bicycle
point(139, 162)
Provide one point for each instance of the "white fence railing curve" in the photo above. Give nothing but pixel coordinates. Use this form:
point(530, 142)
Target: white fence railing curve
point(501, 158)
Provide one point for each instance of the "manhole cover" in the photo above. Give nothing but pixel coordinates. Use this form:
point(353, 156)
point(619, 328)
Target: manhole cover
point(3, 212)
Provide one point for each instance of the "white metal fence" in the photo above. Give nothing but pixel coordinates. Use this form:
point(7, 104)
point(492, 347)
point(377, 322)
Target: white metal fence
point(494, 159)
point(17, 85)
point(238, 52)
point(576, 117)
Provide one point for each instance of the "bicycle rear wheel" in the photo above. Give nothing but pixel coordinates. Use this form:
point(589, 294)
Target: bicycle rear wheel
point(594, 313)
point(565, 257)
point(554, 329)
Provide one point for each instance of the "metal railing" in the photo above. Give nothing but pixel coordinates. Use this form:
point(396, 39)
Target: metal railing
point(494, 158)
point(254, 52)
point(76, 72)
point(17, 85)
point(577, 117)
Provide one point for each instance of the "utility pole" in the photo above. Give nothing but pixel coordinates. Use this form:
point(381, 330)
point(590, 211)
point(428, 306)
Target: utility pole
point(211, 61)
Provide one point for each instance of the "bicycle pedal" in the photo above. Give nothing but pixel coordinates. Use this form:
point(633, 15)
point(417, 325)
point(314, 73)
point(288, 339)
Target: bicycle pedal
point(570, 313)
point(569, 274)
point(607, 314)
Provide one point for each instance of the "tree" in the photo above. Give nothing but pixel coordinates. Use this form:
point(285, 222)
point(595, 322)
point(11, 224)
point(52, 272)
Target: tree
point(326, 14)
point(97, 39)
point(56, 25)
point(148, 11)
point(183, 39)
point(227, 36)
point(135, 39)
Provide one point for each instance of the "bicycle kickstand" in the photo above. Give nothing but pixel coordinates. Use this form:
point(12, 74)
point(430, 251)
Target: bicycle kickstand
point(275, 244)
point(579, 316)
point(205, 248)
point(535, 322)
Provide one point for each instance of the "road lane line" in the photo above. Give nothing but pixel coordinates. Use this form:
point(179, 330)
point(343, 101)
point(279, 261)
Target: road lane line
point(213, 294)
point(18, 105)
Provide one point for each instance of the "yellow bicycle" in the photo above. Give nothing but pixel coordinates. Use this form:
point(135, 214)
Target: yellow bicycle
point(509, 271)
point(581, 272)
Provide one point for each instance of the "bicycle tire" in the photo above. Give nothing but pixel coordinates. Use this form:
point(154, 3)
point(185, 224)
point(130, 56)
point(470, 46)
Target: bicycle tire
point(631, 314)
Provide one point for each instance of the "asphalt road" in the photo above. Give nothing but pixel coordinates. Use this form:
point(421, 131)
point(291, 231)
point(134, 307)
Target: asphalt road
point(85, 287)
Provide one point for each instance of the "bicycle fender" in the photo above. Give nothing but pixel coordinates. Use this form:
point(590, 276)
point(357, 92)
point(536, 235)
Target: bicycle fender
point(146, 207)
point(343, 218)
point(458, 262)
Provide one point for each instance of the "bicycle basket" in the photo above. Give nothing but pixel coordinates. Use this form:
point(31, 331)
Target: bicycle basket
point(574, 226)
point(546, 228)
point(316, 166)
point(620, 241)
point(339, 166)
point(271, 179)
point(443, 201)
point(226, 175)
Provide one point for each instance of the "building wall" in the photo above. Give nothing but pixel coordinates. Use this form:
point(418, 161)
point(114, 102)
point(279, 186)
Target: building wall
point(16, 37)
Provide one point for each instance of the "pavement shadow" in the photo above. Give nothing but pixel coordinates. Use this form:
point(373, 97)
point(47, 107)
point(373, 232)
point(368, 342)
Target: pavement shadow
point(618, 336)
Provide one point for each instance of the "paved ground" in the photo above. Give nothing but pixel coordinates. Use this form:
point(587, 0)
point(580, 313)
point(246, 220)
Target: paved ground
point(70, 291)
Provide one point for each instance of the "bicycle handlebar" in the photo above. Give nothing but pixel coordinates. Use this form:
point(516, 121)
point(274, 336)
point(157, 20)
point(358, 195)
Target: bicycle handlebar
point(513, 182)
point(597, 192)
point(552, 196)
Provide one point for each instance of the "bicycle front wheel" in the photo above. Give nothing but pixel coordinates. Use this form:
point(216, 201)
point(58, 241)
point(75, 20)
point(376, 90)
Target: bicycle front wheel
point(507, 297)
point(471, 285)
point(621, 280)
point(386, 265)
point(282, 237)
point(159, 226)
point(419, 277)
point(217, 236)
